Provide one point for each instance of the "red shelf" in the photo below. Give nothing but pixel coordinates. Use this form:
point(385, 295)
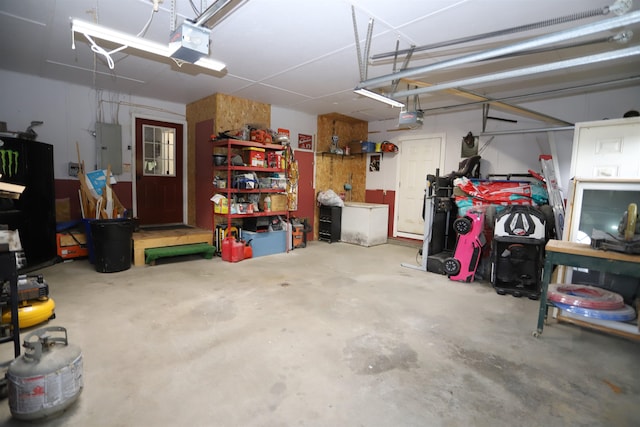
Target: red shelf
point(239, 143)
point(254, 191)
point(229, 147)
point(247, 169)
point(255, 214)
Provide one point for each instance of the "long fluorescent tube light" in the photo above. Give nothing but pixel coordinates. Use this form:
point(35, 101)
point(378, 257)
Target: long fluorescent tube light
point(379, 97)
point(126, 40)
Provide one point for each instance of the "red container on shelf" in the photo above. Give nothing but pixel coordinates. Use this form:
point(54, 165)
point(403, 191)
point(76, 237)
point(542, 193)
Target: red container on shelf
point(254, 156)
point(232, 250)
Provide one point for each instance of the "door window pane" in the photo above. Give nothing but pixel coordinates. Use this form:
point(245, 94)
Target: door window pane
point(159, 151)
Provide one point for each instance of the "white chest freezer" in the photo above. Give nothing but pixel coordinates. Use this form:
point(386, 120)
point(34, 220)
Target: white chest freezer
point(364, 224)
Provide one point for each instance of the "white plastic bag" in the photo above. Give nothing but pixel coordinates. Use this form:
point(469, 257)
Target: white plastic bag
point(330, 198)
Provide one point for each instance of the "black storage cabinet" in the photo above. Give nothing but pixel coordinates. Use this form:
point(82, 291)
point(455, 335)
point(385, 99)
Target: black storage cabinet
point(329, 223)
point(30, 163)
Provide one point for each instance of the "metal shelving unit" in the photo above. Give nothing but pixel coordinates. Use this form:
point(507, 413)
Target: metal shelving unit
point(232, 147)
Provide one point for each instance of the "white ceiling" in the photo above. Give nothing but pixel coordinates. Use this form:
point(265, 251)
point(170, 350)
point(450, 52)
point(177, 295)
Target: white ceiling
point(301, 54)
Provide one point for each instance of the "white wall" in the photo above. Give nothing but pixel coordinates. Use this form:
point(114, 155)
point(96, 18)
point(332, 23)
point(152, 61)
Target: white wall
point(295, 121)
point(516, 153)
point(69, 113)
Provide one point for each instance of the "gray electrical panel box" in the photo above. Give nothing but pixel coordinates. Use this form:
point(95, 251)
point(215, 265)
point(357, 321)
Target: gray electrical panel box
point(109, 144)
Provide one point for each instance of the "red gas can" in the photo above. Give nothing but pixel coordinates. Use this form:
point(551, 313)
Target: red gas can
point(232, 250)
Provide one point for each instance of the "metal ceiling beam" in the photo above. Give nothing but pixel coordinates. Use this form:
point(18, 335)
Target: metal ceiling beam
point(215, 13)
point(521, 28)
point(583, 30)
point(527, 71)
point(497, 104)
point(521, 131)
point(536, 94)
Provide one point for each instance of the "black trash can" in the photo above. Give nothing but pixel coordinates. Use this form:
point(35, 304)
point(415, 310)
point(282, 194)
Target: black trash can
point(112, 244)
point(87, 231)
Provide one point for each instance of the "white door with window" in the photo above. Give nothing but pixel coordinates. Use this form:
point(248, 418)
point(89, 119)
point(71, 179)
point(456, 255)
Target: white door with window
point(419, 156)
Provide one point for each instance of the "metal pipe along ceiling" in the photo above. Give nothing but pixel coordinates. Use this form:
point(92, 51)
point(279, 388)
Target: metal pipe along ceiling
point(218, 10)
point(534, 94)
point(580, 31)
point(607, 56)
point(520, 131)
point(521, 28)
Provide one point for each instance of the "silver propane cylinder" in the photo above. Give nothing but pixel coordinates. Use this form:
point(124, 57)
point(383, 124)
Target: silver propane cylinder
point(47, 378)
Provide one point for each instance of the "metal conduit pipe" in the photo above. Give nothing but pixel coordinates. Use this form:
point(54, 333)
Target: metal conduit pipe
point(532, 94)
point(534, 26)
point(512, 132)
point(536, 42)
point(622, 37)
point(358, 51)
point(218, 10)
point(607, 56)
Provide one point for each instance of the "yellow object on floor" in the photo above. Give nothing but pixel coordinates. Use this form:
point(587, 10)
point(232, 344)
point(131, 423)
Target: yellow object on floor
point(31, 312)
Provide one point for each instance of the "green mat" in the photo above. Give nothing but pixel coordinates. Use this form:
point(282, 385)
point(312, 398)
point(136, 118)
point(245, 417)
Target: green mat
point(152, 254)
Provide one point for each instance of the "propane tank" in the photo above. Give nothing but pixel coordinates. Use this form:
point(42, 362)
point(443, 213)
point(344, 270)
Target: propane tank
point(47, 378)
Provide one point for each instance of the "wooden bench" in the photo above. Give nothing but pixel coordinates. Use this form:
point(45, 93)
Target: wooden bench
point(152, 254)
point(143, 240)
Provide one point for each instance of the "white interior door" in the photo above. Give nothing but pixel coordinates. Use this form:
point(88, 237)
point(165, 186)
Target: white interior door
point(606, 149)
point(419, 157)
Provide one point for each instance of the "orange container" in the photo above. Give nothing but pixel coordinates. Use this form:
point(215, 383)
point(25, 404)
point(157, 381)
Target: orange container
point(71, 244)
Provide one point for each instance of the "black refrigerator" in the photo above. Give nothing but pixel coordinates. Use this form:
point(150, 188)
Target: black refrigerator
point(30, 163)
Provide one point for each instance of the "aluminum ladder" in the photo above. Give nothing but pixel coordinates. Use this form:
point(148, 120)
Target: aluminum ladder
point(556, 201)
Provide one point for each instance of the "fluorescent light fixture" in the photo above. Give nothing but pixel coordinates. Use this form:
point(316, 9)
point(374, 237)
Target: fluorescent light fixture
point(378, 97)
point(90, 30)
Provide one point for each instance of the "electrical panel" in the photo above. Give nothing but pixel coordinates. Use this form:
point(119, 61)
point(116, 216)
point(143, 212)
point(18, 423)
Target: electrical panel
point(109, 144)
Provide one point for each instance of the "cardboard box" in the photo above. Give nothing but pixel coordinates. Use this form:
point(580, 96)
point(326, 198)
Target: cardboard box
point(222, 206)
point(63, 210)
point(279, 202)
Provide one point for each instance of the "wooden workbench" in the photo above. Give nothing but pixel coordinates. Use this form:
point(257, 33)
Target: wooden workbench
point(572, 254)
point(161, 238)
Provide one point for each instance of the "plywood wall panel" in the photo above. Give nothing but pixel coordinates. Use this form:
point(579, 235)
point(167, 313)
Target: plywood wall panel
point(349, 130)
point(334, 171)
point(228, 112)
point(234, 113)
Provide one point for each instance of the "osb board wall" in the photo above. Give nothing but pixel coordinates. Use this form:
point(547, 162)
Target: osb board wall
point(228, 112)
point(350, 131)
point(334, 171)
point(233, 113)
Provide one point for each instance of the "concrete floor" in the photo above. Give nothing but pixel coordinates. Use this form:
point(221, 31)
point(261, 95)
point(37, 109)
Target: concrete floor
point(330, 335)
